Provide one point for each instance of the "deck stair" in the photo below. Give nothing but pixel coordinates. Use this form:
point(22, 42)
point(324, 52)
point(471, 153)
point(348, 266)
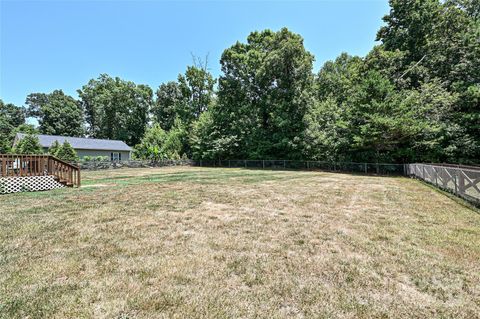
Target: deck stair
point(36, 172)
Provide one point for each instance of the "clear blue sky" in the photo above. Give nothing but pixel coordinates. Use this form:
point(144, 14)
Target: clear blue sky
point(62, 44)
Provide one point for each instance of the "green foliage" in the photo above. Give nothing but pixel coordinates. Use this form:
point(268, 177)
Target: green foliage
point(11, 117)
point(326, 136)
point(29, 144)
point(207, 141)
point(196, 87)
point(87, 158)
point(414, 97)
point(363, 116)
point(54, 148)
point(186, 99)
point(5, 137)
point(438, 45)
point(263, 96)
point(176, 142)
point(63, 151)
point(409, 25)
point(149, 147)
point(9, 137)
point(57, 113)
point(12, 114)
point(116, 109)
point(26, 129)
point(169, 98)
point(158, 144)
point(67, 153)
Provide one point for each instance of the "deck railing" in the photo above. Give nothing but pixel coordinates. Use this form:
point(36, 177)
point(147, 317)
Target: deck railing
point(39, 165)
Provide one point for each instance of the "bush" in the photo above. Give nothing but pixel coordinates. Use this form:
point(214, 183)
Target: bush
point(54, 148)
point(157, 144)
point(29, 145)
point(67, 153)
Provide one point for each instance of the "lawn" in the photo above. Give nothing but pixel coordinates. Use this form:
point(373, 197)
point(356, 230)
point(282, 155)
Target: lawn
point(228, 243)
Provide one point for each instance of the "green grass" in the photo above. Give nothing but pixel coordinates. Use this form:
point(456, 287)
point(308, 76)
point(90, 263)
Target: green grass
point(198, 242)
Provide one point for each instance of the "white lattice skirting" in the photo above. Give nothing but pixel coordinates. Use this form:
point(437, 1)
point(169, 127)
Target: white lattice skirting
point(28, 184)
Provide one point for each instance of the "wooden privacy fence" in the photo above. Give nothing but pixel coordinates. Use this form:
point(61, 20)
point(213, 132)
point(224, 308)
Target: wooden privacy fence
point(17, 165)
point(462, 181)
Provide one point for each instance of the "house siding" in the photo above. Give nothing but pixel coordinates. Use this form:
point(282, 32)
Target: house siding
point(95, 153)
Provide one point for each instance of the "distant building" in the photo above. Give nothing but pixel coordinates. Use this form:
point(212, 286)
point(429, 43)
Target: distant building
point(113, 149)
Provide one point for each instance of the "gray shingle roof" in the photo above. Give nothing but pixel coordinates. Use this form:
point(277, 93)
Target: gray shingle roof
point(81, 143)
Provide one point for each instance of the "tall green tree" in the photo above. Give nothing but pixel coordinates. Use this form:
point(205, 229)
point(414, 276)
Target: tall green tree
point(264, 93)
point(176, 142)
point(439, 43)
point(197, 92)
point(116, 109)
point(29, 144)
point(409, 25)
point(363, 115)
point(11, 117)
point(66, 152)
point(158, 144)
point(208, 140)
point(336, 79)
point(327, 136)
point(57, 113)
point(454, 58)
point(54, 148)
point(168, 99)
point(12, 114)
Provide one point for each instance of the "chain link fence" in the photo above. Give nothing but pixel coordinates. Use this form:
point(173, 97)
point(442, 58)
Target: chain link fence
point(461, 181)
point(349, 167)
point(94, 165)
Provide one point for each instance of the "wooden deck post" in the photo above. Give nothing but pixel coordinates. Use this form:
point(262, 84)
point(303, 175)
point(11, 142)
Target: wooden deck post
point(4, 165)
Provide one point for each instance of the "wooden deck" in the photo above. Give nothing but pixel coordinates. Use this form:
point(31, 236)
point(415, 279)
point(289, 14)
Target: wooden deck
point(19, 165)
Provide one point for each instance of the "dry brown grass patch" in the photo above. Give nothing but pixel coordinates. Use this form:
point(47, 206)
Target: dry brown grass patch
point(197, 242)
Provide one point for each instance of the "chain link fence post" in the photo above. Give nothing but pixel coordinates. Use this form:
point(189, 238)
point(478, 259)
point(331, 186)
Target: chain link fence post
point(455, 182)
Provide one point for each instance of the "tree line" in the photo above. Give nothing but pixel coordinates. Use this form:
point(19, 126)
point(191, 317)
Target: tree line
point(414, 97)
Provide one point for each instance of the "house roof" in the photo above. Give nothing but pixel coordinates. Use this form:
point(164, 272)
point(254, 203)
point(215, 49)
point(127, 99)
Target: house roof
point(81, 143)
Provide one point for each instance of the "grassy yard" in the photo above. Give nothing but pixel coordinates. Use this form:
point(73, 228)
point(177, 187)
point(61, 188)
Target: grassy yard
point(229, 243)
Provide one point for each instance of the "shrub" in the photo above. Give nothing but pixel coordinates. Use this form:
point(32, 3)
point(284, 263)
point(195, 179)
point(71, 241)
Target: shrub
point(29, 145)
point(157, 144)
point(67, 153)
point(101, 158)
point(54, 148)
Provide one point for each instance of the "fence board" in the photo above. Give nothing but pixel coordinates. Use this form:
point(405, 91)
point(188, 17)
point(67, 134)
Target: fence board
point(461, 181)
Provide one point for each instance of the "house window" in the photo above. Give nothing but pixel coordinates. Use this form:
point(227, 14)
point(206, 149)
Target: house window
point(115, 156)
